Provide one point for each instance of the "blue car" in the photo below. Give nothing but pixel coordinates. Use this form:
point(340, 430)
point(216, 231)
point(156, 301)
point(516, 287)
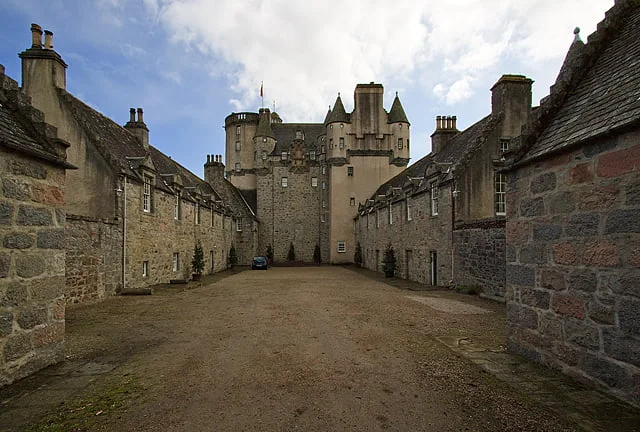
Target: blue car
point(259, 263)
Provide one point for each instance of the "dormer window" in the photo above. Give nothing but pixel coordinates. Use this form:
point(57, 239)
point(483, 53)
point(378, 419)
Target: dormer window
point(504, 145)
point(299, 135)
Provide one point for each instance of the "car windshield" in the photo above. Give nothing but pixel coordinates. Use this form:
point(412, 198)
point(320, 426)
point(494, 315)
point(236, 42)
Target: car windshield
point(259, 260)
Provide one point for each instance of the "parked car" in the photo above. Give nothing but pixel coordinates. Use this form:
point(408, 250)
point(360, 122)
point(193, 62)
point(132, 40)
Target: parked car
point(259, 263)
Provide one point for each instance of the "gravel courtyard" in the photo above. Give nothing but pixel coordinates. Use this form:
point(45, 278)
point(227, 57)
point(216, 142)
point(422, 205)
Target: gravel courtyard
point(309, 349)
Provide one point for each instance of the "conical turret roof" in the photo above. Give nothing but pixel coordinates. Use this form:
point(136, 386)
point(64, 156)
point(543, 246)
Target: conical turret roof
point(396, 114)
point(264, 124)
point(326, 118)
point(338, 114)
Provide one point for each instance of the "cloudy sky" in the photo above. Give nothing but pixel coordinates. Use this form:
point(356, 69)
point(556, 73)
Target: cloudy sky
point(190, 63)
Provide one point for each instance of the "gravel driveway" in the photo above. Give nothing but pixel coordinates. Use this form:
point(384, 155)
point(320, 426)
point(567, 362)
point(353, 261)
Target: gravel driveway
point(309, 349)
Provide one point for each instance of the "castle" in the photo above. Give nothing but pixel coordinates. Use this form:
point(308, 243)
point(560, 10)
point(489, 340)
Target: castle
point(535, 206)
point(305, 180)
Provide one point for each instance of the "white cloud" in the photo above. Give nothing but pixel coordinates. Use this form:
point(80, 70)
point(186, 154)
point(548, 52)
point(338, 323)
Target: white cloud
point(305, 52)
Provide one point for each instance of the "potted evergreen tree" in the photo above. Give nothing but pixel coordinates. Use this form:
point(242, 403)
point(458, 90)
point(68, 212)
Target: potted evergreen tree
point(389, 264)
point(317, 258)
point(291, 256)
point(197, 263)
point(357, 256)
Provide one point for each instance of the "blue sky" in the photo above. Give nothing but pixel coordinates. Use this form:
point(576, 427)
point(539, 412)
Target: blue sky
point(190, 63)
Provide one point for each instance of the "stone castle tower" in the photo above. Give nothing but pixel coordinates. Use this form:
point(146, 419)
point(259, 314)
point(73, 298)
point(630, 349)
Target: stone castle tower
point(305, 180)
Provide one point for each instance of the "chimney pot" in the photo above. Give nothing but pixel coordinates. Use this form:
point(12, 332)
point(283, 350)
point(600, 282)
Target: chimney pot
point(438, 122)
point(140, 118)
point(48, 40)
point(208, 158)
point(455, 119)
point(132, 115)
point(36, 36)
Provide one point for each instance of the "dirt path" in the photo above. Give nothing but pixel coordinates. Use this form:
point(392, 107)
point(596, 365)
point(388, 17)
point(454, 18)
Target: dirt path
point(310, 349)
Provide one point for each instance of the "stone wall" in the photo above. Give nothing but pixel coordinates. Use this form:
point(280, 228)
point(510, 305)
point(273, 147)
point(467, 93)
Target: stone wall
point(291, 214)
point(479, 256)
point(32, 307)
point(156, 236)
point(414, 241)
point(93, 258)
point(573, 263)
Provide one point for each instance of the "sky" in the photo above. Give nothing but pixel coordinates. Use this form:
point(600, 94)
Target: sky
point(190, 63)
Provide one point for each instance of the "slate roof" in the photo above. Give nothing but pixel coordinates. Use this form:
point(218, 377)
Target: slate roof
point(22, 127)
point(598, 89)
point(338, 113)
point(456, 151)
point(125, 152)
point(397, 114)
point(285, 133)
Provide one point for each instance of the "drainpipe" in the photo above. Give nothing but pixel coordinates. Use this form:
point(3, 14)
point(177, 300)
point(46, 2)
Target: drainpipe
point(124, 234)
point(454, 194)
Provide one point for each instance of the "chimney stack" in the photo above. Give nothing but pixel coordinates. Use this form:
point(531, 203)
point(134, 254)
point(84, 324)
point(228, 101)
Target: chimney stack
point(132, 115)
point(138, 128)
point(445, 130)
point(48, 40)
point(214, 169)
point(36, 36)
point(511, 97)
point(140, 118)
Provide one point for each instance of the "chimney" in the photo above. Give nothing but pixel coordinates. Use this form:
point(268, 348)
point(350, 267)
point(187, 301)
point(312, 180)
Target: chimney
point(138, 128)
point(48, 40)
point(445, 130)
point(36, 36)
point(214, 169)
point(43, 70)
point(511, 97)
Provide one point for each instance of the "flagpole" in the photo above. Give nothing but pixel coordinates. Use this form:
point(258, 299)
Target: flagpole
point(262, 93)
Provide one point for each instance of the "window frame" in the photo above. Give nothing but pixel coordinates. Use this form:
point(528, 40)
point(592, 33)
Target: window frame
point(314, 181)
point(342, 246)
point(349, 171)
point(238, 146)
point(146, 193)
point(341, 143)
point(434, 198)
point(284, 182)
point(400, 144)
point(145, 268)
point(500, 194)
point(408, 208)
point(175, 262)
point(176, 206)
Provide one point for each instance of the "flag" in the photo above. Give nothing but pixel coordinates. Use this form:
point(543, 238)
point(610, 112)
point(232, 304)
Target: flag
point(261, 89)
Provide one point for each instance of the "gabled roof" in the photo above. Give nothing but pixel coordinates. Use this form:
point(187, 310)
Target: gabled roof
point(22, 127)
point(338, 113)
point(285, 133)
point(597, 90)
point(396, 114)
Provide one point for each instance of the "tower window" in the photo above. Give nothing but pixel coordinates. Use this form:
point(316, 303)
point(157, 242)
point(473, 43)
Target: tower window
point(299, 135)
point(238, 128)
point(284, 182)
point(237, 145)
point(352, 201)
point(400, 144)
point(312, 155)
point(314, 181)
point(264, 154)
point(237, 166)
point(284, 155)
point(341, 142)
point(350, 171)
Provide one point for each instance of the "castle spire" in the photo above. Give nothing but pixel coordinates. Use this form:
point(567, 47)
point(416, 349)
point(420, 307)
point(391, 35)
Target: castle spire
point(338, 114)
point(397, 114)
point(575, 51)
point(326, 118)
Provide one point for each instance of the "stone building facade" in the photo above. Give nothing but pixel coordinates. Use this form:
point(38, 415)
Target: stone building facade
point(573, 222)
point(305, 180)
point(32, 256)
point(449, 207)
point(135, 215)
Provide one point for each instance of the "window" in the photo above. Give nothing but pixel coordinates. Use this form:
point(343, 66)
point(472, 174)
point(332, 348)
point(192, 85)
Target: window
point(237, 166)
point(407, 143)
point(176, 207)
point(312, 155)
point(314, 181)
point(264, 154)
point(211, 260)
point(323, 149)
point(399, 143)
point(330, 143)
point(238, 130)
point(434, 198)
point(390, 214)
point(501, 194)
point(284, 156)
point(299, 135)
point(176, 261)
point(146, 194)
point(350, 171)
point(237, 145)
point(352, 201)
point(145, 268)
point(341, 142)
point(284, 182)
point(197, 215)
point(324, 185)
point(322, 218)
point(324, 203)
point(324, 170)
point(342, 248)
point(504, 145)
point(408, 204)
point(239, 224)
